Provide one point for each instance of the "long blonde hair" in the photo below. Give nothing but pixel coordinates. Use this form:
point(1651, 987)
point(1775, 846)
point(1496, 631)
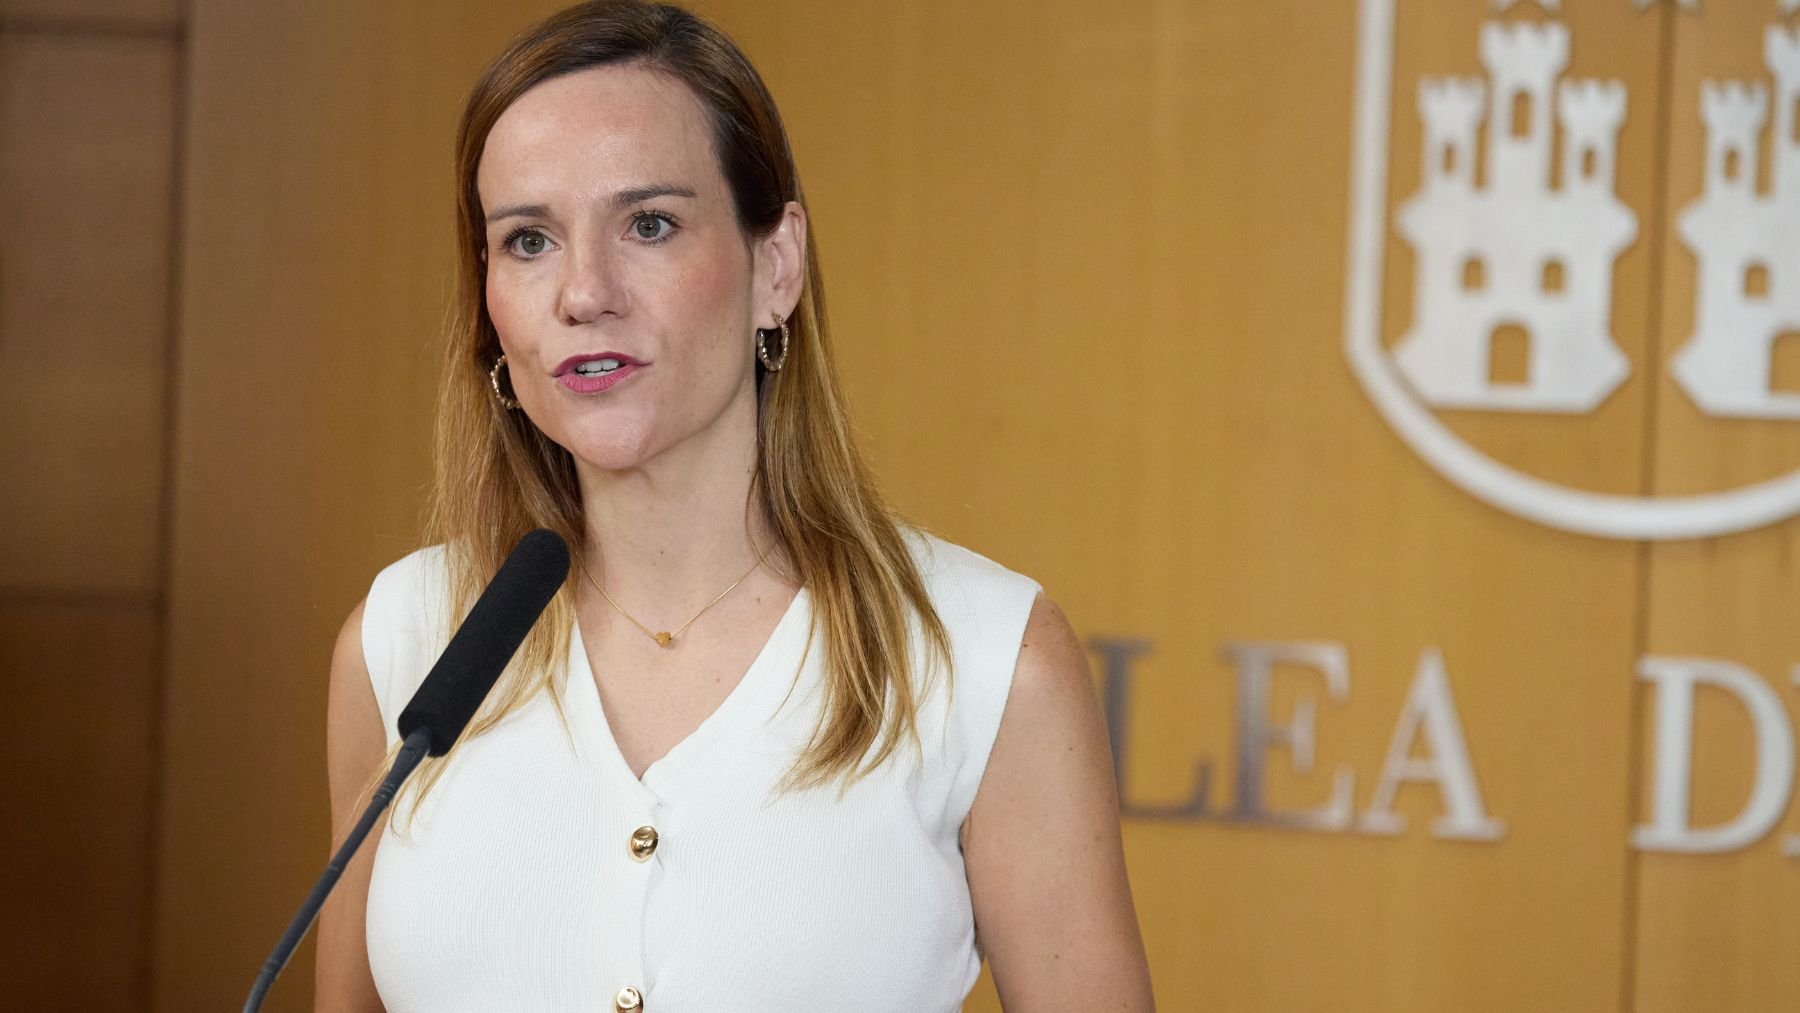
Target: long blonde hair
point(498, 476)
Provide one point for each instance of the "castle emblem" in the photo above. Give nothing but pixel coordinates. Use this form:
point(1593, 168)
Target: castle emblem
point(1518, 252)
point(1532, 247)
point(1746, 242)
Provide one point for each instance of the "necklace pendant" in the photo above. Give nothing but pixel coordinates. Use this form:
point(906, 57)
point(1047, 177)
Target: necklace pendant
point(662, 639)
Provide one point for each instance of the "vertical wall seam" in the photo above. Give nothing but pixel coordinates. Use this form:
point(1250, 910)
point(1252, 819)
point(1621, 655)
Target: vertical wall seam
point(1658, 213)
point(164, 567)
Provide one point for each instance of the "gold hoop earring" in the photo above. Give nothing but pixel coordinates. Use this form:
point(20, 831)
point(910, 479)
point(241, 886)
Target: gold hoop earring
point(762, 350)
point(494, 379)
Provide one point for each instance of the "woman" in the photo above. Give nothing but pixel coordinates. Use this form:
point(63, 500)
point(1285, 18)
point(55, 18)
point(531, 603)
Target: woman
point(865, 759)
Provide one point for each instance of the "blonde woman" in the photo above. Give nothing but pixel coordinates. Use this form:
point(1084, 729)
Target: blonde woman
point(771, 748)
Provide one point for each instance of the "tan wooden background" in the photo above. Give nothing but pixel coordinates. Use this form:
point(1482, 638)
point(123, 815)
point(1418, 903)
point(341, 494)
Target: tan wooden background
point(1086, 268)
point(90, 113)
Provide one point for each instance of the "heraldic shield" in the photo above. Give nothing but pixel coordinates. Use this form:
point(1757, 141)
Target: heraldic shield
point(1515, 227)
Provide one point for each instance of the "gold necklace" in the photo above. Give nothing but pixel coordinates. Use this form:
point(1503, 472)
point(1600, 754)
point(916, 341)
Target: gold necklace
point(665, 638)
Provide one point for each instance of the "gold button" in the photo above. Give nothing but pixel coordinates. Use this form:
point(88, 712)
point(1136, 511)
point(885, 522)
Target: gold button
point(627, 1000)
point(643, 845)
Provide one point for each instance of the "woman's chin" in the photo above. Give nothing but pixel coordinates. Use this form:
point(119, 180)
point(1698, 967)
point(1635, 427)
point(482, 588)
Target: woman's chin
point(609, 458)
point(607, 447)
point(609, 455)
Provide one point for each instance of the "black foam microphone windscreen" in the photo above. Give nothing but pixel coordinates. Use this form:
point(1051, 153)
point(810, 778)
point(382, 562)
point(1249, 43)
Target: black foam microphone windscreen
point(487, 640)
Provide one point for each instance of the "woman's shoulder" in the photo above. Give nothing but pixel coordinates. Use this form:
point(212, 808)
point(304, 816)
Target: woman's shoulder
point(984, 606)
point(408, 596)
point(418, 566)
point(419, 577)
point(949, 566)
point(404, 626)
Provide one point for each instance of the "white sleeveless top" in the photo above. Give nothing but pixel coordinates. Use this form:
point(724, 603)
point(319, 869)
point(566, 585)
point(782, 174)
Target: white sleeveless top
point(516, 888)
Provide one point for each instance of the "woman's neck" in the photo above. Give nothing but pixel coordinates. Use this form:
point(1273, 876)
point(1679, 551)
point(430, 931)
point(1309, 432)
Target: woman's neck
point(680, 528)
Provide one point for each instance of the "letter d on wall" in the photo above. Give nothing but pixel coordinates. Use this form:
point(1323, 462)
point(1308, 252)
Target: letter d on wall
point(1668, 829)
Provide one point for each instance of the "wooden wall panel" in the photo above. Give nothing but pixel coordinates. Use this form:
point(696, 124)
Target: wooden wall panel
point(75, 858)
point(1085, 268)
point(87, 134)
point(316, 266)
point(1086, 272)
point(1717, 931)
point(87, 148)
point(86, 16)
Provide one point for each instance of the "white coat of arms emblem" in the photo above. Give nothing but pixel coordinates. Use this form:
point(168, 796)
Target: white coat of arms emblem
point(1525, 244)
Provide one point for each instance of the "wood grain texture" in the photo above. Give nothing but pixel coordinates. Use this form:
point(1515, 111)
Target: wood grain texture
point(316, 271)
point(1717, 932)
point(89, 16)
point(87, 139)
point(1085, 268)
point(81, 697)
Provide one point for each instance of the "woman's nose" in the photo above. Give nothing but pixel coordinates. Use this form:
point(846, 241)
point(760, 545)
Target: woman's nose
point(592, 285)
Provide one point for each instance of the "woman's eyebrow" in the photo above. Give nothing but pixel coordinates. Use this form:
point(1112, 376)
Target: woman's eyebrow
point(632, 195)
point(518, 211)
point(623, 198)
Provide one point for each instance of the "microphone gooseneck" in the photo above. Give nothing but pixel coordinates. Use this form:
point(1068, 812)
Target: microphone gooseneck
point(441, 707)
point(411, 752)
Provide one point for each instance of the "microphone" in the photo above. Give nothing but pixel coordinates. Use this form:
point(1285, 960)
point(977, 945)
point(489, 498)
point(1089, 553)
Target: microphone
point(505, 612)
point(443, 704)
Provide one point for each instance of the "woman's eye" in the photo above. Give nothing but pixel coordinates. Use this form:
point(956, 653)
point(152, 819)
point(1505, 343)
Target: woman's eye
point(530, 243)
point(652, 227)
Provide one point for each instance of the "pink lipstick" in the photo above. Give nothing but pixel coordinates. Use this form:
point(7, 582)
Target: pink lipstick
point(591, 374)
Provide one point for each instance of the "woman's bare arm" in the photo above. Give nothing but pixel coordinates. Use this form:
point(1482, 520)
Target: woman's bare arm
point(1042, 845)
point(355, 745)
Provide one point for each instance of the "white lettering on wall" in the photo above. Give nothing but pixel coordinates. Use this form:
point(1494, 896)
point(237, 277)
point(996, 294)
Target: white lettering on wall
point(1669, 828)
point(1431, 710)
point(1257, 735)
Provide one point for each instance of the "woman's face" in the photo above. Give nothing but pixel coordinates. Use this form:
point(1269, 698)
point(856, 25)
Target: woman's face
point(611, 235)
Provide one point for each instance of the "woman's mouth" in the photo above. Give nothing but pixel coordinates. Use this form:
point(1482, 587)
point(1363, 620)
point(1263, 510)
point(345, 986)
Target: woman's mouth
point(591, 374)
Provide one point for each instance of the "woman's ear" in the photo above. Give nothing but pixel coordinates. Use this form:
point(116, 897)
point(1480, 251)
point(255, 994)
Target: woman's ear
point(781, 265)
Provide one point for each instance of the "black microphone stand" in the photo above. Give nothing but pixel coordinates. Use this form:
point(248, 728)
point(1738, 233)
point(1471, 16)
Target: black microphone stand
point(411, 752)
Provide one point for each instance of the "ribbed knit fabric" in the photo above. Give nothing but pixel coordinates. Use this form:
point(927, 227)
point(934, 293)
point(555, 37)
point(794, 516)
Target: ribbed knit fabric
point(515, 889)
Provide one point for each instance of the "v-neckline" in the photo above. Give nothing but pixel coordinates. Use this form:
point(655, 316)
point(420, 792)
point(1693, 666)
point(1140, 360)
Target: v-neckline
point(581, 673)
